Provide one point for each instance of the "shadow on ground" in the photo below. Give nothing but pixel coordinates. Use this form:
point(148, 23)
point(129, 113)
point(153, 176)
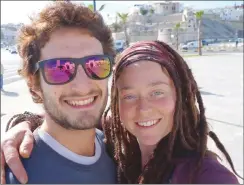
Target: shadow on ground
point(227, 123)
point(208, 93)
point(8, 93)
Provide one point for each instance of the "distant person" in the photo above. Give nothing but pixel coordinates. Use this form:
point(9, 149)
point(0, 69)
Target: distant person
point(236, 43)
point(2, 71)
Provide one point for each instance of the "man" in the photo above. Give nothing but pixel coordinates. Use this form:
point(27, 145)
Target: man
point(68, 148)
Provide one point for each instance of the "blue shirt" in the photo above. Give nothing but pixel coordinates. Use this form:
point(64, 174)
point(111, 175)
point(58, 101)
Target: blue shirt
point(52, 163)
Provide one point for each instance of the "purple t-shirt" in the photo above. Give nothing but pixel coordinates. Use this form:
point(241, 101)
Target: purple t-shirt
point(211, 172)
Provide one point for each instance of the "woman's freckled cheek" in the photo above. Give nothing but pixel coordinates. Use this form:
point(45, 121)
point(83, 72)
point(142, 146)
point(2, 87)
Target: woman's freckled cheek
point(165, 104)
point(127, 109)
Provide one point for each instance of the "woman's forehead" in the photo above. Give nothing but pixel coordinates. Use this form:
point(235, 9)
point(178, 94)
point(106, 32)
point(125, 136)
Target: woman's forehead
point(143, 72)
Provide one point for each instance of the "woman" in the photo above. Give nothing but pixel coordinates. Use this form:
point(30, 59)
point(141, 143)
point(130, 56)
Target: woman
point(154, 116)
point(158, 131)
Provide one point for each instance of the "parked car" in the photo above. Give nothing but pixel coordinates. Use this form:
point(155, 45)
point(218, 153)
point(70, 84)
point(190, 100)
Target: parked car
point(13, 50)
point(119, 45)
point(193, 45)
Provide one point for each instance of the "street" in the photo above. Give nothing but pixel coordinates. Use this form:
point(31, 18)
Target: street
point(219, 77)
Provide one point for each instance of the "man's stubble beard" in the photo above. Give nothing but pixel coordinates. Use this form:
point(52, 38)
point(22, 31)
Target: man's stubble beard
point(83, 122)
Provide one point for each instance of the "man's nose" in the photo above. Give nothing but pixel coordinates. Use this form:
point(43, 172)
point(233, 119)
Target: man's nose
point(82, 82)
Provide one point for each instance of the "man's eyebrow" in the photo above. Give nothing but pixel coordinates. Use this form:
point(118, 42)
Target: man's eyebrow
point(150, 84)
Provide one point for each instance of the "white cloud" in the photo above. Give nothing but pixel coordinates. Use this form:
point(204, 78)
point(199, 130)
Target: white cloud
point(18, 11)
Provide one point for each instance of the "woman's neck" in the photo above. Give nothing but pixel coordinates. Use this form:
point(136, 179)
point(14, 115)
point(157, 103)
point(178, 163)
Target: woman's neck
point(146, 153)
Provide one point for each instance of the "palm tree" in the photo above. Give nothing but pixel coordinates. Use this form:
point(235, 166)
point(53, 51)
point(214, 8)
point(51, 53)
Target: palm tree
point(177, 27)
point(199, 15)
point(124, 17)
point(144, 12)
point(91, 7)
point(116, 26)
point(151, 11)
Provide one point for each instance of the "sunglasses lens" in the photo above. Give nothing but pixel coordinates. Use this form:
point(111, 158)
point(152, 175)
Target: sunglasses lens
point(98, 67)
point(58, 71)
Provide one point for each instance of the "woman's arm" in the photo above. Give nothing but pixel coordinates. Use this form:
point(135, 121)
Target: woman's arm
point(18, 140)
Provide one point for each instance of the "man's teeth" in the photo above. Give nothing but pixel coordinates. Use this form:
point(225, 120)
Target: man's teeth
point(83, 102)
point(147, 123)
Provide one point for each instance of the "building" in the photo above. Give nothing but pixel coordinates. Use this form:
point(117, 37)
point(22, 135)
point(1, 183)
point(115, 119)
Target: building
point(231, 14)
point(187, 31)
point(167, 8)
point(161, 24)
point(9, 33)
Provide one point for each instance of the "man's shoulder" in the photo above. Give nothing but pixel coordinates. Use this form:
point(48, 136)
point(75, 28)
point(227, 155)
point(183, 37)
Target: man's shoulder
point(10, 178)
point(32, 163)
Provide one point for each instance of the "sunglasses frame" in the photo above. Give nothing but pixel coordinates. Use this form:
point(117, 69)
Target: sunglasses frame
point(77, 61)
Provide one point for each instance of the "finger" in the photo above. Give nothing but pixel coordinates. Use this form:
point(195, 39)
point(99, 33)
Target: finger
point(3, 181)
point(26, 145)
point(11, 156)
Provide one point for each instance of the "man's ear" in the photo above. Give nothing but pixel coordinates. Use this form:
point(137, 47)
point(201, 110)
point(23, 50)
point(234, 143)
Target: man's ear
point(35, 89)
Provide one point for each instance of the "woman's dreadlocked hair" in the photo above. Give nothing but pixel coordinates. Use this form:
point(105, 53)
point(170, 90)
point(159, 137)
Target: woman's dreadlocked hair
point(190, 128)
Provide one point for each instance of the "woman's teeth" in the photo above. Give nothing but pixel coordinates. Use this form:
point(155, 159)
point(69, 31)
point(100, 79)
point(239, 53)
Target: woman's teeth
point(148, 123)
point(81, 102)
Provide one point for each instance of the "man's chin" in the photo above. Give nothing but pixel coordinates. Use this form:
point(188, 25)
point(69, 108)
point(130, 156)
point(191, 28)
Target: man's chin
point(80, 123)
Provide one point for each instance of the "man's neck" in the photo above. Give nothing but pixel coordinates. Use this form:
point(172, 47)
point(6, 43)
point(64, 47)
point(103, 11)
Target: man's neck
point(81, 142)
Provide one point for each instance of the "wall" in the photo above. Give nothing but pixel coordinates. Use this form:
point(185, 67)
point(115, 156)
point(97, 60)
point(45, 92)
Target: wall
point(135, 38)
point(118, 36)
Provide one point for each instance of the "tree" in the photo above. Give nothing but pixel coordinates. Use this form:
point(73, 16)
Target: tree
point(124, 17)
point(177, 27)
point(143, 11)
point(91, 7)
point(116, 26)
point(151, 11)
point(199, 15)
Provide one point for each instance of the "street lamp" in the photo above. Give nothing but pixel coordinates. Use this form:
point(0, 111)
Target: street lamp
point(94, 5)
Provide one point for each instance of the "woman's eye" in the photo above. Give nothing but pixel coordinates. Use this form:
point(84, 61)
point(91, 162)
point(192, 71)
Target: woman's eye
point(158, 93)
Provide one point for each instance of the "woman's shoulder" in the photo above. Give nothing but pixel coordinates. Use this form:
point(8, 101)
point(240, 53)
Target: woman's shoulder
point(211, 171)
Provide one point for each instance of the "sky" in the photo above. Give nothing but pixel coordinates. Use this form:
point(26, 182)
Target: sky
point(18, 11)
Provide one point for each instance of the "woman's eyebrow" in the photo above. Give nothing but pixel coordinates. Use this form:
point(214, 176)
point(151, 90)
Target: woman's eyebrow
point(151, 84)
